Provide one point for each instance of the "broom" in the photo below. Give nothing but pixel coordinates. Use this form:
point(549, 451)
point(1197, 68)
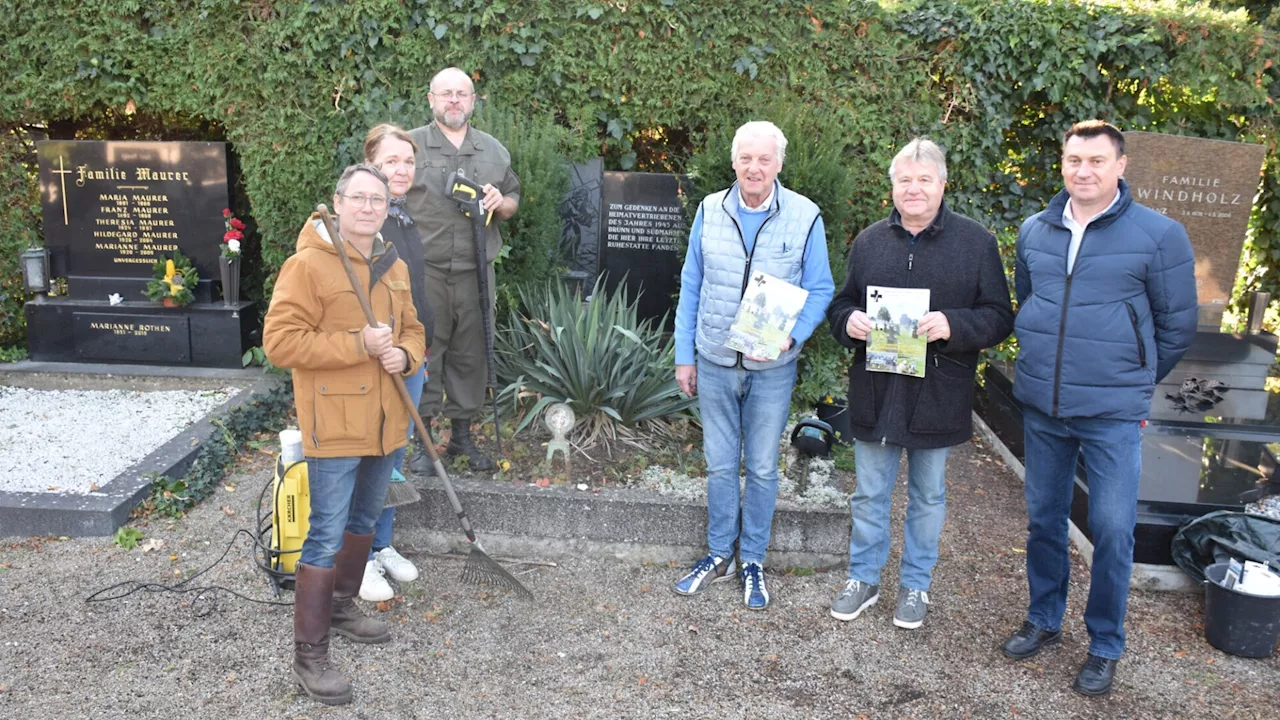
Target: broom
point(480, 569)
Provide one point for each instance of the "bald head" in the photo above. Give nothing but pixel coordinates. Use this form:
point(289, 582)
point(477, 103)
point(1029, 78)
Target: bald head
point(452, 98)
point(453, 77)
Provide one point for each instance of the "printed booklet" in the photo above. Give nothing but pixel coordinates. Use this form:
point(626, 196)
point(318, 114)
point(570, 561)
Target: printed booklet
point(767, 313)
point(893, 345)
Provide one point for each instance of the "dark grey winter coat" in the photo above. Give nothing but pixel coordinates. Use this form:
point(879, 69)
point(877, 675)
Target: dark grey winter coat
point(959, 262)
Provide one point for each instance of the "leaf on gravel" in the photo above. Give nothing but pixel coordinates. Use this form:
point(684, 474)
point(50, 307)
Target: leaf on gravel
point(229, 487)
point(1019, 551)
point(643, 679)
point(542, 482)
point(152, 544)
point(383, 605)
point(644, 588)
point(228, 510)
point(231, 677)
point(93, 487)
point(693, 629)
point(1180, 653)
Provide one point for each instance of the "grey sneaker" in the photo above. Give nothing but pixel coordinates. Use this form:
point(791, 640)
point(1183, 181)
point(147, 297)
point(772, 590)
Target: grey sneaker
point(853, 598)
point(913, 605)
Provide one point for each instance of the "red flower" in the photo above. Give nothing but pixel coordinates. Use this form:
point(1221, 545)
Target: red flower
point(232, 235)
point(237, 224)
point(226, 213)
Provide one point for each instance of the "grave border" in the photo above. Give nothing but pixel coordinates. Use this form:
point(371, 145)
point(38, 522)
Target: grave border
point(101, 513)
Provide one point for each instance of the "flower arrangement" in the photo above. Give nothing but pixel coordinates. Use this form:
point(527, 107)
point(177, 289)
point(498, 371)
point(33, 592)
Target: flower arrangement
point(231, 238)
point(172, 281)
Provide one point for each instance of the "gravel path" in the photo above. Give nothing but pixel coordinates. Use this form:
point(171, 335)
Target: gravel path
point(70, 441)
point(603, 639)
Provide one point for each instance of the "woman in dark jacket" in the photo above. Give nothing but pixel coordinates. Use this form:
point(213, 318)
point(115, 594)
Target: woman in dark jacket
point(922, 244)
point(391, 150)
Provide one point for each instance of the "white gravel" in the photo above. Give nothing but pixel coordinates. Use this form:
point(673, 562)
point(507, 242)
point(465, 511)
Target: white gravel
point(73, 441)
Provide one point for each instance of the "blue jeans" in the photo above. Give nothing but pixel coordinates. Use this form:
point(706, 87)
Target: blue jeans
point(347, 494)
point(877, 468)
point(1113, 460)
point(742, 409)
point(383, 528)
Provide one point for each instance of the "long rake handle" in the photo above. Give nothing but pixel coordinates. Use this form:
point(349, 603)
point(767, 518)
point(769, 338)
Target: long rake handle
point(478, 223)
point(420, 426)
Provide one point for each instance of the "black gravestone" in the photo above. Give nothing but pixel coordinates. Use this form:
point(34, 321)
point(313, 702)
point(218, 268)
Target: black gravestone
point(111, 210)
point(580, 217)
point(642, 232)
point(116, 336)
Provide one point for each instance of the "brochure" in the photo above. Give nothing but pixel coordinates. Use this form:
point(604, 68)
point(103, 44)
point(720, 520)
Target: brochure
point(767, 313)
point(893, 344)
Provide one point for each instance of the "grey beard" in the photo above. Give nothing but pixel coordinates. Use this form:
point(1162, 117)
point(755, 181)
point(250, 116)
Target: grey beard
point(440, 120)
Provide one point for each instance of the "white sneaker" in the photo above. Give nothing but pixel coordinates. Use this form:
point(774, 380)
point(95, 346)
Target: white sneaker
point(374, 587)
point(397, 567)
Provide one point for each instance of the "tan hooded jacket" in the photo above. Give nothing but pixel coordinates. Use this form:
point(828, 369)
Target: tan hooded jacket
point(347, 405)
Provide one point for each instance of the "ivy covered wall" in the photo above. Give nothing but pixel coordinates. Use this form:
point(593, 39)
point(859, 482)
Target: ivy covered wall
point(647, 83)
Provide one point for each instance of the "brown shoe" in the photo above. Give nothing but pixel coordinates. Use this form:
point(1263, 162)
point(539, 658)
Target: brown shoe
point(312, 598)
point(348, 567)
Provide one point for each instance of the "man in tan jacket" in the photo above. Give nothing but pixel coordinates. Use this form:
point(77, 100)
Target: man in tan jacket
point(350, 412)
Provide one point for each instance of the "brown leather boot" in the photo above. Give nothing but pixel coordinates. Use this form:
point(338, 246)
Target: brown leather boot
point(312, 598)
point(348, 566)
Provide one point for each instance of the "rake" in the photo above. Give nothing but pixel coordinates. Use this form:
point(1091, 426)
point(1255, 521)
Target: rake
point(480, 569)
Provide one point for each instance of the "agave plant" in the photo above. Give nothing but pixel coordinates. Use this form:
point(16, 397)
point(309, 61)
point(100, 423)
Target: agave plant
point(614, 370)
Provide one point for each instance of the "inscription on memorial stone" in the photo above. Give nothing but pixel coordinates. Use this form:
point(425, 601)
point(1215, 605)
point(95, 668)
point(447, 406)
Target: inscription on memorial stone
point(644, 228)
point(1208, 186)
point(135, 338)
point(112, 208)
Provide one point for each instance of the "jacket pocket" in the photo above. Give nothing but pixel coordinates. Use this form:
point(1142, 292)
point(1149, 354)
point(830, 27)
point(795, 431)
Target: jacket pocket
point(862, 392)
point(341, 406)
point(945, 401)
point(1137, 333)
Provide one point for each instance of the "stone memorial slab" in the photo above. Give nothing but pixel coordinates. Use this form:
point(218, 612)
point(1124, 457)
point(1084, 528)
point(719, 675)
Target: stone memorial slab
point(580, 215)
point(1208, 186)
point(133, 338)
point(112, 208)
point(643, 229)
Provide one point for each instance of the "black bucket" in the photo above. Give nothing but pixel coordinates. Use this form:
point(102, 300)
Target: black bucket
point(1239, 623)
point(837, 416)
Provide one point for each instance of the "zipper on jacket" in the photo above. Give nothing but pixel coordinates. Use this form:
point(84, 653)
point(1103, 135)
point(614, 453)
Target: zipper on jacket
point(746, 275)
point(1062, 324)
point(1137, 334)
point(910, 260)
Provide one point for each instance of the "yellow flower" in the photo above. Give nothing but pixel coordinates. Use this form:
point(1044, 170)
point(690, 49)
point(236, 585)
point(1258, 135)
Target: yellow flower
point(505, 465)
point(827, 400)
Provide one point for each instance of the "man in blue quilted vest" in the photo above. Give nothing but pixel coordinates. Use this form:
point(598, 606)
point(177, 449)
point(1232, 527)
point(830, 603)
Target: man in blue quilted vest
point(755, 225)
point(1107, 306)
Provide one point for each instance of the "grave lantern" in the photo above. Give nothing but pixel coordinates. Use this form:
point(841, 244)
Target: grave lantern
point(35, 269)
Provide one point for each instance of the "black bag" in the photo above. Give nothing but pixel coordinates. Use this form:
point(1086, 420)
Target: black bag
point(1222, 535)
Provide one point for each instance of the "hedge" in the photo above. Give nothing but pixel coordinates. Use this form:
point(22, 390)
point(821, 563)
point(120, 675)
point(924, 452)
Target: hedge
point(650, 84)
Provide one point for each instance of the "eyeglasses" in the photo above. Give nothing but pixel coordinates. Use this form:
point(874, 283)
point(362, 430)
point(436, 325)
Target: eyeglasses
point(377, 202)
point(451, 94)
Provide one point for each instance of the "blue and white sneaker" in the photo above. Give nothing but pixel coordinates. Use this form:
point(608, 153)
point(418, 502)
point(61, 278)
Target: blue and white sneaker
point(708, 570)
point(754, 594)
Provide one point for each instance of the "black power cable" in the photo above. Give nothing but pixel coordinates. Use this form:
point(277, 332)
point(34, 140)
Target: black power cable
point(122, 590)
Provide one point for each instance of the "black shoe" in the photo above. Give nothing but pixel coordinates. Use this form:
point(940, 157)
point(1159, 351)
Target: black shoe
point(1028, 641)
point(419, 461)
point(1095, 676)
point(460, 444)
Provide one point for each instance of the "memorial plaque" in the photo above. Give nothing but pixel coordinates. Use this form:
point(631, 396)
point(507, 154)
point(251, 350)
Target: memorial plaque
point(1208, 186)
point(644, 228)
point(580, 215)
point(112, 208)
point(164, 339)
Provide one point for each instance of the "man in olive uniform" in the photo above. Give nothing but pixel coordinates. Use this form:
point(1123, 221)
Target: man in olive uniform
point(457, 366)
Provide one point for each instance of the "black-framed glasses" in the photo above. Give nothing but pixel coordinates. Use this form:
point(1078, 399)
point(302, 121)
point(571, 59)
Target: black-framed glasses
point(377, 202)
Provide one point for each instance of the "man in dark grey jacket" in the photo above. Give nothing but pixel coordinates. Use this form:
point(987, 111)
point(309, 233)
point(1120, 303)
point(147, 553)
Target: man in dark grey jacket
point(922, 244)
point(1107, 306)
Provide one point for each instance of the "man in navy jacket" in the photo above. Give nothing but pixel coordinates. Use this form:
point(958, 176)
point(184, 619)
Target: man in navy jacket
point(1107, 306)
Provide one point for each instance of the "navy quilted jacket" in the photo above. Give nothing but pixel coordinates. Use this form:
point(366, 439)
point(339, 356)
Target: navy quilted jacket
point(1095, 342)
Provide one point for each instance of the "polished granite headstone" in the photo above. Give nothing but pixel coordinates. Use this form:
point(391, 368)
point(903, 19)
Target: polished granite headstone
point(1208, 186)
point(111, 209)
point(643, 229)
point(579, 212)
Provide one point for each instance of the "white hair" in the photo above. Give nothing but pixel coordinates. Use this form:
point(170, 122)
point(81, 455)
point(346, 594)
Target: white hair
point(760, 128)
point(921, 150)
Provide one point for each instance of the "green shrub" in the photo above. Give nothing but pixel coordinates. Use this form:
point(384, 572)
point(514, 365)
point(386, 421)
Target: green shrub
point(614, 370)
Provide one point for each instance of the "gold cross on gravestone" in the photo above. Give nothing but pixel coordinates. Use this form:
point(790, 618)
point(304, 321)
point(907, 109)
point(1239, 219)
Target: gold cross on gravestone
point(62, 173)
